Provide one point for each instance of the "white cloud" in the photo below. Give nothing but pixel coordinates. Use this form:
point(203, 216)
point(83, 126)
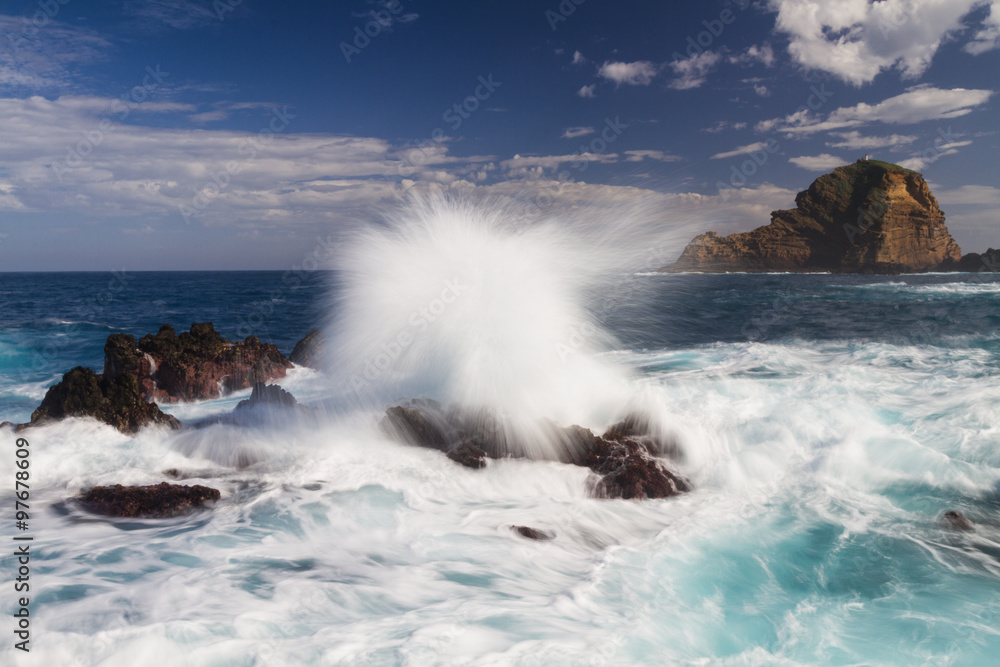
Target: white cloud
point(578, 58)
point(536, 166)
point(986, 195)
point(931, 155)
point(988, 38)
point(755, 54)
point(588, 91)
point(725, 125)
point(854, 140)
point(917, 104)
point(574, 132)
point(691, 72)
point(742, 150)
point(640, 73)
point(856, 39)
point(761, 90)
point(70, 154)
point(43, 59)
point(639, 156)
point(822, 162)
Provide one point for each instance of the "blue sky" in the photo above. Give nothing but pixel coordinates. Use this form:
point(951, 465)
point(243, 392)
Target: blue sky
point(229, 134)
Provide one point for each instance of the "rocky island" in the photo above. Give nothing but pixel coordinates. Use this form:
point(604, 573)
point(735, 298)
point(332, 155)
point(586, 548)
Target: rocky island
point(867, 217)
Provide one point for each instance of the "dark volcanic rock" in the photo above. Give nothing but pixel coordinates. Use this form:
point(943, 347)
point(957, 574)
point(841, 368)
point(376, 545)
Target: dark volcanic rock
point(531, 533)
point(974, 262)
point(308, 351)
point(267, 394)
point(194, 364)
point(115, 401)
point(411, 425)
point(627, 461)
point(468, 455)
point(868, 217)
point(957, 521)
point(628, 470)
point(157, 501)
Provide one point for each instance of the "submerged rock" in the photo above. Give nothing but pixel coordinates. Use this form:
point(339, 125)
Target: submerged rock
point(157, 501)
point(468, 455)
point(267, 394)
point(116, 401)
point(957, 521)
point(531, 533)
point(308, 351)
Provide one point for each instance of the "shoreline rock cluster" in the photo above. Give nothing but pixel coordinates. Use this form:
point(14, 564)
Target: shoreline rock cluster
point(867, 217)
point(167, 368)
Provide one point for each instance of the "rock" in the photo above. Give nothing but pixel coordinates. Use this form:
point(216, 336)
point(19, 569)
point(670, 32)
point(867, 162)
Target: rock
point(157, 501)
point(410, 425)
point(531, 533)
point(308, 351)
point(200, 364)
point(868, 217)
point(7, 425)
point(626, 461)
point(974, 262)
point(628, 470)
point(114, 401)
point(957, 521)
point(267, 394)
point(468, 455)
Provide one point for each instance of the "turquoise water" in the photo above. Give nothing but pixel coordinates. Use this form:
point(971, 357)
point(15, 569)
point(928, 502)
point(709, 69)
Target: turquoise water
point(826, 423)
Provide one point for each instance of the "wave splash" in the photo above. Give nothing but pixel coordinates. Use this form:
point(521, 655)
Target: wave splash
point(470, 305)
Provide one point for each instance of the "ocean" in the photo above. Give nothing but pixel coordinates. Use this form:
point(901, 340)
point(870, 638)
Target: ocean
point(826, 423)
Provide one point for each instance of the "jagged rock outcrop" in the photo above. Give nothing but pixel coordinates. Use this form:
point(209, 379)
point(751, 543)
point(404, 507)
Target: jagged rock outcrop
point(194, 365)
point(867, 217)
point(627, 461)
point(975, 262)
point(308, 351)
point(267, 394)
point(156, 501)
point(116, 401)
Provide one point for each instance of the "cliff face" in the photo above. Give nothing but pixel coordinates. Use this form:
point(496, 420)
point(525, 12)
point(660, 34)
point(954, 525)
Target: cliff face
point(868, 217)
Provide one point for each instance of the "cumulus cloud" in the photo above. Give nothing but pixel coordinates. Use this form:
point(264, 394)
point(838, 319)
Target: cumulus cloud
point(692, 72)
point(755, 54)
point(578, 58)
point(916, 104)
point(986, 195)
point(822, 162)
point(855, 40)
point(987, 38)
point(588, 91)
point(742, 150)
point(933, 154)
point(723, 125)
point(640, 73)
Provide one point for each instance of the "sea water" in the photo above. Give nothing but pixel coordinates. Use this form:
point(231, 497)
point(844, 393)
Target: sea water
point(826, 422)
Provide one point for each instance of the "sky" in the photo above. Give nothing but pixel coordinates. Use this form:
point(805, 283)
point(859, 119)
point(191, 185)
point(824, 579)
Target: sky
point(246, 134)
